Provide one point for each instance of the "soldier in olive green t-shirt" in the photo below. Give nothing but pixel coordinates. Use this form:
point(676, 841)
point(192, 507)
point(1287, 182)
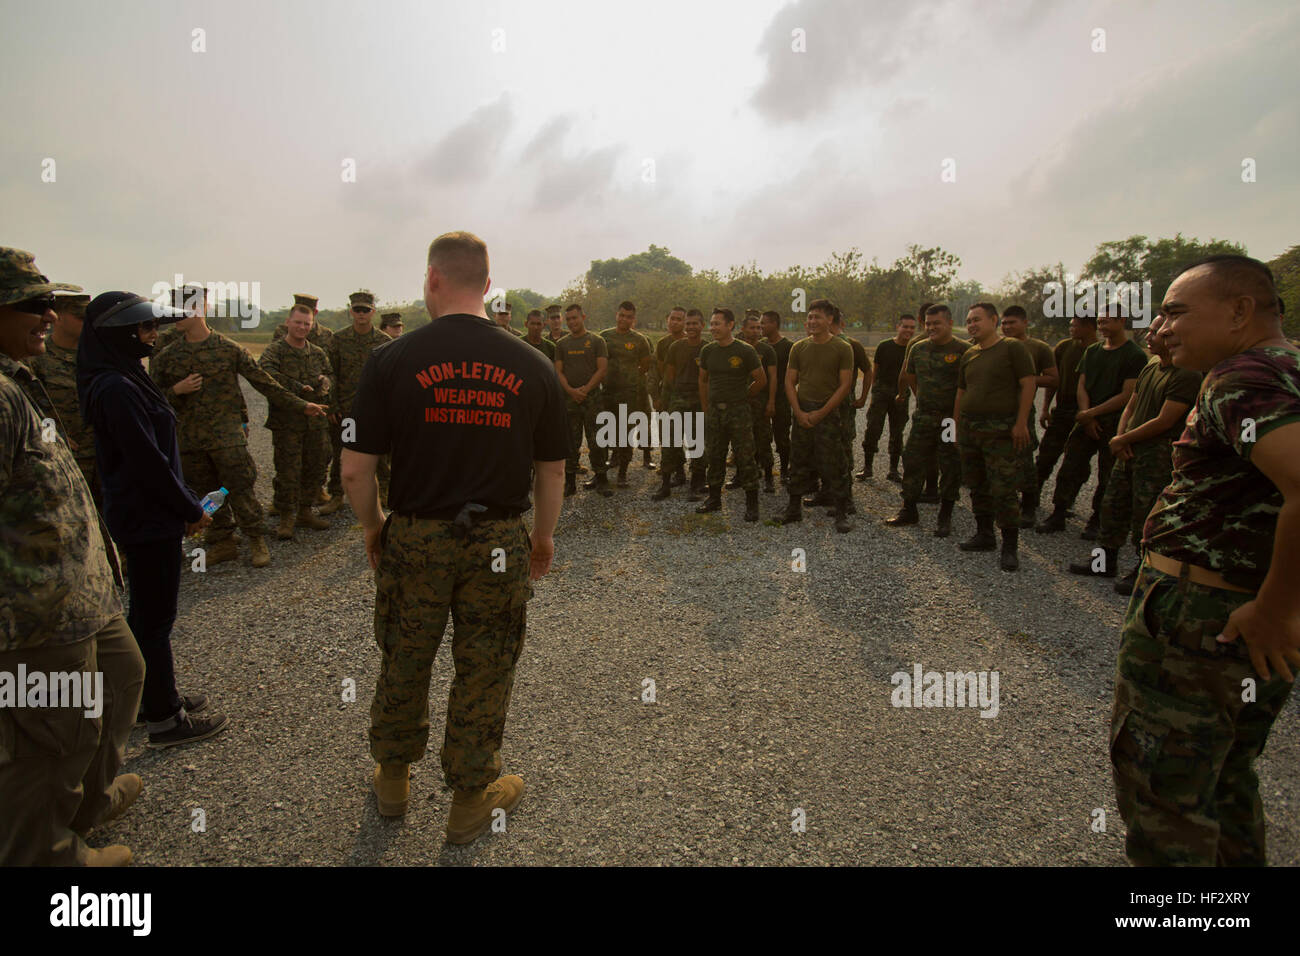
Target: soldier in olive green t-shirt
point(730, 372)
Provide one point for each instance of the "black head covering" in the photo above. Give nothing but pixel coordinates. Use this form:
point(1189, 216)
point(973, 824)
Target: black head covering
point(109, 349)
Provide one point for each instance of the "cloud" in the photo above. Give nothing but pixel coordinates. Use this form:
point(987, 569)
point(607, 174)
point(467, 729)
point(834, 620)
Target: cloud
point(468, 152)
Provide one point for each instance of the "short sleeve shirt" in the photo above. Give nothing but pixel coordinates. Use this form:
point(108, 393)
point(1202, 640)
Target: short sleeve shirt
point(935, 367)
point(1158, 384)
point(1106, 370)
point(730, 369)
point(819, 365)
point(685, 359)
point(579, 353)
point(626, 350)
point(990, 377)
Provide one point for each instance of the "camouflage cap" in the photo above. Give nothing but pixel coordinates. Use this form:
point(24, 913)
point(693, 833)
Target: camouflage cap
point(362, 297)
point(553, 310)
point(20, 280)
point(191, 294)
point(390, 318)
point(306, 301)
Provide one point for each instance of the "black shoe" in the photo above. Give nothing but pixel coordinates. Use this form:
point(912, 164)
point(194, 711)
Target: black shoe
point(751, 505)
point(596, 480)
point(1109, 558)
point(665, 490)
point(944, 526)
point(864, 474)
point(192, 705)
point(793, 510)
point(983, 539)
point(697, 488)
point(842, 523)
point(714, 502)
point(1009, 560)
point(1127, 583)
point(1052, 523)
point(820, 500)
point(1091, 530)
point(894, 476)
point(189, 730)
point(570, 485)
point(906, 515)
point(622, 475)
point(648, 463)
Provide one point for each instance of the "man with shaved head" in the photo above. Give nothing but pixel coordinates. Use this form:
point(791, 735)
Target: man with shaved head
point(1212, 637)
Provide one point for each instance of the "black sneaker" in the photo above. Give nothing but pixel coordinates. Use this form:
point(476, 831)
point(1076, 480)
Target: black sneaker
point(189, 730)
point(192, 705)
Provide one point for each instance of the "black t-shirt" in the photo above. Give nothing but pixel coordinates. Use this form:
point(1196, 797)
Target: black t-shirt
point(464, 411)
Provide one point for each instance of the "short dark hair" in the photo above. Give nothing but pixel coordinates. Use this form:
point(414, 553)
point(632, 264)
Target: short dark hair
point(727, 315)
point(626, 306)
point(552, 309)
point(695, 312)
point(1015, 311)
point(752, 314)
point(987, 307)
point(824, 306)
point(772, 314)
point(573, 307)
point(462, 257)
point(677, 308)
point(925, 309)
point(1235, 275)
point(1087, 320)
point(939, 310)
point(534, 312)
point(905, 317)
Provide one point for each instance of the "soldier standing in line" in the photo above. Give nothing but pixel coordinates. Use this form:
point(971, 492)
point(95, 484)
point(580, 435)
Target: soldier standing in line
point(348, 350)
point(886, 402)
point(770, 322)
point(56, 368)
point(930, 493)
point(390, 323)
point(455, 542)
point(1215, 611)
point(681, 387)
point(661, 391)
point(763, 405)
point(1143, 451)
point(643, 392)
point(581, 362)
point(535, 338)
point(200, 375)
point(996, 383)
point(857, 398)
point(931, 373)
point(629, 357)
point(1015, 325)
point(554, 324)
point(818, 381)
point(1108, 373)
point(730, 375)
point(503, 314)
point(319, 335)
point(301, 444)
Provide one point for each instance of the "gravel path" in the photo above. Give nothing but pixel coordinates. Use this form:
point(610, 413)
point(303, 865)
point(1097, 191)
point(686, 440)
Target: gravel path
point(772, 696)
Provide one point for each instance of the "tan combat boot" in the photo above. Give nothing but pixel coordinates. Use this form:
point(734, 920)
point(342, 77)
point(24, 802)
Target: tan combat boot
point(226, 549)
point(115, 855)
point(322, 497)
point(261, 556)
point(308, 519)
point(335, 503)
point(393, 788)
point(471, 810)
point(285, 530)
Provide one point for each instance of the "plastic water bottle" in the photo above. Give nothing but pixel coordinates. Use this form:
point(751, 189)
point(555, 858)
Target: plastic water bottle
point(213, 500)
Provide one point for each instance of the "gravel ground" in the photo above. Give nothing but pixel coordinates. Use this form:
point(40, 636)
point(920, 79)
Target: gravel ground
point(772, 697)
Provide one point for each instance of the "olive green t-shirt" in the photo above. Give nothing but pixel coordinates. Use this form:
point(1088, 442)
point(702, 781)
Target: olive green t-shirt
point(684, 358)
point(579, 354)
point(1067, 353)
point(1157, 385)
point(990, 377)
point(819, 366)
point(545, 346)
point(730, 369)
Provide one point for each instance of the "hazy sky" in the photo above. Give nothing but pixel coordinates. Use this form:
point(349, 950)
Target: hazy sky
point(226, 165)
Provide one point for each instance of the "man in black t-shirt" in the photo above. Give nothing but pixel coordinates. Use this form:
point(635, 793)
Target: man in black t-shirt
point(886, 403)
point(467, 414)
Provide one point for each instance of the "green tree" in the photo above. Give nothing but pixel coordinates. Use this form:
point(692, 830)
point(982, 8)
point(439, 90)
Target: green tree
point(1286, 273)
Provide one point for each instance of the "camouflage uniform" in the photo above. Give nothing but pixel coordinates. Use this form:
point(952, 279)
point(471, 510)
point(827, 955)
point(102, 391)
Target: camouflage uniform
point(1182, 741)
point(683, 399)
point(991, 466)
point(1044, 361)
point(318, 336)
point(57, 371)
point(1067, 354)
point(170, 336)
point(348, 350)
point(214, 450)
point(425, 565)
point(301, 444)
point(758, 409)
point(935, 368)
point(781, 417)
point(819, 452)
point(582, 417)
point(728, 421)
point(624, 381)
point(849, 414)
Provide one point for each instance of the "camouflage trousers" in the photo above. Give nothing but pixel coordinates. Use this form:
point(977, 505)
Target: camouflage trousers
point(611, 399)
point(425, 570)
point(335, 452)
point(730, 424)
point(1055, 436)
point(674, 457)
point(300, 460)
point(1079, 449)
point(233, 469)
point(762, 433)
point(781, 425)
point(819, 452)
point(885, 405)
point(582, 419)
point(925, 449)
point(848, 428)
point(1131, 493)
point(1027, 475)
point(991, 468)
point(1182, 741)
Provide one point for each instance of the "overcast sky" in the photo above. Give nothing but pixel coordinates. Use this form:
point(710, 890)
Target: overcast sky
point(226, 165)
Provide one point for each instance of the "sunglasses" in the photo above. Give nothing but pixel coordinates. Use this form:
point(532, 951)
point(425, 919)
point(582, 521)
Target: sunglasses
point(363, 309)
point(38, 306)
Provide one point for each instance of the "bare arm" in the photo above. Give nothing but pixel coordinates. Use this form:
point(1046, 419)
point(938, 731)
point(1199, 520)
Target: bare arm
point(548, 497)
point(358, 476)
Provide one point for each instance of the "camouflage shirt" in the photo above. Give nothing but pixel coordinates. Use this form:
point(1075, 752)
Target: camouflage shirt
point(656, 373)
point(1219, 511)
point(626, 351)
point(318, 336)
point(348, 351)
point(935, 368)
point(298, 371)
point(57, 370)
point(211, 417)
point(56, 584)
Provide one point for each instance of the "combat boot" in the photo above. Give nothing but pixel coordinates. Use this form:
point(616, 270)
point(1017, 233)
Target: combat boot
point(1009, 560)
point(793, 510)
point(261, 556)
point(124, 790)
point(906, 515)
point(648, 462)
point(983, 539)
point(598, 479)
point(930, 494)
point(308, 519)
point(944, 527)
point(570, 486)
point(769, 485)
point(735, 481)
point(697, 487)
point(1092, 529)
point(115, 855)
point(322, 497)
point(1053, 522)
point(1028, 509)
point(622, 475)
point(893, 475)
point(392, 786)
point(665, 489)
point(224, 550)
point(1127, 583)
point(679, 476)
point(334, 504)
point(842, 523)
point(865, 473)
point(819, 500)
point(472, 810)
point(714, 502)
point(751, 505)
point(1109, 558)
point(284, 531)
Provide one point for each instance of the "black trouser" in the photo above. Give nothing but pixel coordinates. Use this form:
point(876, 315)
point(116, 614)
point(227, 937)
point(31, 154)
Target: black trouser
point(155, 579)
